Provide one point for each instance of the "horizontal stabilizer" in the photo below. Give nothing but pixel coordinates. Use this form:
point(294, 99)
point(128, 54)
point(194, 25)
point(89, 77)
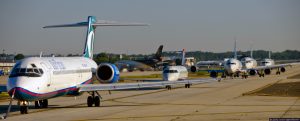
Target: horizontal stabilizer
point(68, 25)
point(83, 24)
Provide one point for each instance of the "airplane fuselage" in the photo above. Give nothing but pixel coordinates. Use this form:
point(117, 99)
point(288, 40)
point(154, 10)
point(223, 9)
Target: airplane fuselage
point(174, 73)
point(42, 78)
point(249, 63)
point(267, 62)
point(232, 66)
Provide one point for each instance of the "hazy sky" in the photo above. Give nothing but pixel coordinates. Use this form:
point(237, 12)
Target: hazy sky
point(206, 25)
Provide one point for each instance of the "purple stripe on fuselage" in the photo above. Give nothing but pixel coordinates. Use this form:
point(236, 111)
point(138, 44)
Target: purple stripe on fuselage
point(24, 94)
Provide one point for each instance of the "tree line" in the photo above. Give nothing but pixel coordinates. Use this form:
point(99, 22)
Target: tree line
point(199, 55)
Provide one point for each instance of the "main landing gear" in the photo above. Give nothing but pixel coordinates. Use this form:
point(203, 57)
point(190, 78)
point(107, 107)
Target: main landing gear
point(41, 104)
point(261, 73)
point(187, 85)
point(93, 99)
point(169, 87)
point(244, 75)
point(278, 71)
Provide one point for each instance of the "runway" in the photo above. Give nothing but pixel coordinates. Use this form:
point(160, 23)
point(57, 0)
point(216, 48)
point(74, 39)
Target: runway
point(230, 99)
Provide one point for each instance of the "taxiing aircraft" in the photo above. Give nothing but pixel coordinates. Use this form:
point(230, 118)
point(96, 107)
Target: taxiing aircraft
point(232, 66)
point(142, 64)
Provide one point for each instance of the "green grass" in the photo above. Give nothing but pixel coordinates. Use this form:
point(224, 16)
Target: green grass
point(4, 95)
point(143, 76)
point(200, 74)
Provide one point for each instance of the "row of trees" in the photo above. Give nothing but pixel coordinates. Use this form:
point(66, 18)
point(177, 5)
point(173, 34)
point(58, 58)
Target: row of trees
point(199, 55)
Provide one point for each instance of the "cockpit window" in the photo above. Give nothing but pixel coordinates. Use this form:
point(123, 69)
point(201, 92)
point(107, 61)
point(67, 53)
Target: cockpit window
point(33, 65)
point(170, 71)
point(29, 72)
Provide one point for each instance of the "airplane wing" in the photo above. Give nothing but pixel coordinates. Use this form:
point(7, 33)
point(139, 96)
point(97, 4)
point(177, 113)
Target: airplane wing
point(273, 66)
point(122, 86)
point(3, 88)
point(278, 66)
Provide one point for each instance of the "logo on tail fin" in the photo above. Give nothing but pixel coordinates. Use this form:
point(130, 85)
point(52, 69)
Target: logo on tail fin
point(89, 44)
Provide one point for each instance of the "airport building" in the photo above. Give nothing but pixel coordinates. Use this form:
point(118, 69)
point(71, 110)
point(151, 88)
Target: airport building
point(6, 65)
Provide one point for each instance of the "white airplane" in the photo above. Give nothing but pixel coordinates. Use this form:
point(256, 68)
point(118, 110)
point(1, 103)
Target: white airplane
point(268, 61)
point(37, 79)
point(232, 66)
point(249, 62)
point(267, 65)
point(175, 73)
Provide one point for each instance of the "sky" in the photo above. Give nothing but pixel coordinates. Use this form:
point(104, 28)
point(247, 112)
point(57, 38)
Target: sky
point(196, 25)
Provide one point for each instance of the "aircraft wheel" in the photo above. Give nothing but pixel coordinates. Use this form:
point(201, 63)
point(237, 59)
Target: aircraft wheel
point(168, 87)
point(24, 109)
point(187, 85)
point(45, 103)
point(90, 101)
point(97, 101)
point(37, 104)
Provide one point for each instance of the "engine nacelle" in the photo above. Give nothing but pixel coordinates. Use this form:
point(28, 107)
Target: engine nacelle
point(267, 71)
point(193, 68)
point(107, 73)
point(252, 72)
point(282, 69)
point(213, 74)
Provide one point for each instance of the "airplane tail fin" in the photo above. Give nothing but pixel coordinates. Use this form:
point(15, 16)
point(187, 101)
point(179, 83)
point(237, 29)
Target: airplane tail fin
point(251, 50)
point(183, 57)
point(234, 49)
point(270, 54)
point(91, 25)
point(159, 52)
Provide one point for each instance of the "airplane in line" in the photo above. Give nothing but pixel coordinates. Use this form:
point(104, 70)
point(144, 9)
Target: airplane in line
point(267, 65)
point(232, 66)
point(142, 64)
point(248, 65)
point(37, 79)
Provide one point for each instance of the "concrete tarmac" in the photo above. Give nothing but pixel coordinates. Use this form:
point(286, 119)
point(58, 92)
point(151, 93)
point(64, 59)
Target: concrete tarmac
point(230, 99)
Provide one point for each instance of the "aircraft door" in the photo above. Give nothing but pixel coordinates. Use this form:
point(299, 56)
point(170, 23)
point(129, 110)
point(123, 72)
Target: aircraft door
point(47, 73)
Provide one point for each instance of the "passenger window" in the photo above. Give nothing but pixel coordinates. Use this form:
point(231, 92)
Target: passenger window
point(33, 65)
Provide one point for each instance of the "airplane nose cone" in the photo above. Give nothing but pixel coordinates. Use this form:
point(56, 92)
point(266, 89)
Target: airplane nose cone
point(14, 88)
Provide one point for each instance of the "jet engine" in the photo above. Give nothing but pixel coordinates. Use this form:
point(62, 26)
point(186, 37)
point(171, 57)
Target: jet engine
point(213, 74)
point(252, 72)
point(107, 73)
point(267, 71)
point(193, 68)
point(282, 69)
